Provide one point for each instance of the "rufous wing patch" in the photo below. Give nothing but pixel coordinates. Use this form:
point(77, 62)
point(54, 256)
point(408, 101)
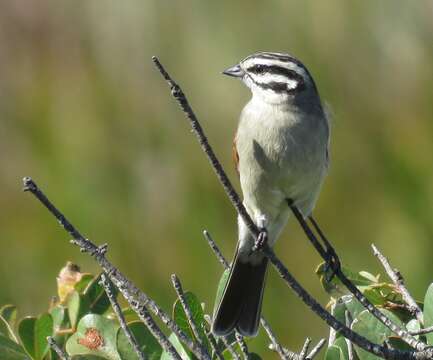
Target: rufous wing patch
point(235, 155)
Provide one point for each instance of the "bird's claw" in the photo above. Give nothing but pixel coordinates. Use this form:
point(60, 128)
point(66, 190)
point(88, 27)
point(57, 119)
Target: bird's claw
point(261, 241)
point(332, 264)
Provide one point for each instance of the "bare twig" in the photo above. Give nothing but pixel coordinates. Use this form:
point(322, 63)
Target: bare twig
point(60, 353)
point(215, 249)
point(276, 346)
point(302, 355)
point(348, 342)
point(225, 340)
point(181, 296)
point(118, 311)
point(316, 350)
point(422, 331)
point(325, 253)
point(398, 280)
point(125, 286)
point(304, 349)
point(213, 344)
point(290, 281)
point(242, 345)
point(180, 97)
point(230, 348)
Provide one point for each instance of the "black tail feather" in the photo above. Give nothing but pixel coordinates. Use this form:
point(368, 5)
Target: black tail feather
point(241, 303)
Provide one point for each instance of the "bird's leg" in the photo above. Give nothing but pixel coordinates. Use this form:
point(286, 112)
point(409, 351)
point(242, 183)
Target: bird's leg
point(262, 239)
point(327, 252)
point(332, 260)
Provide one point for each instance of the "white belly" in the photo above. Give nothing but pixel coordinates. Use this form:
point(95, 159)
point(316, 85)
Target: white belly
point(282, 155)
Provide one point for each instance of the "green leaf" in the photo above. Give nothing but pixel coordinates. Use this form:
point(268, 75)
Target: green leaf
point(221, 286)
point(9, 313)
point(60, 321)
point(338, 310)
point(85, 280)
point(428, 312)
point(147, 343)
point(371, 328)
point(88, 357)
point(184, 354)
point(335, 288)
point(9, 350)
point(96, 297)
point(398, 343)
point(342, 345)
point(254, 356)
point(33, 334)
point(334, 353)
point(6, 330)
point(354, 306)
point(78, 306)
point(95, 335)
point(197, 313)
point(413, 325)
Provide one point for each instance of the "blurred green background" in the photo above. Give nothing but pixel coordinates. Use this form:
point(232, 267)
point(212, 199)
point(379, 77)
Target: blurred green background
point(83, 111)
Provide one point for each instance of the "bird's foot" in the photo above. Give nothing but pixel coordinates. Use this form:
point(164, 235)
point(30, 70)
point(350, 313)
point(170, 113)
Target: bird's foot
point(332, 264)
point(262, 240)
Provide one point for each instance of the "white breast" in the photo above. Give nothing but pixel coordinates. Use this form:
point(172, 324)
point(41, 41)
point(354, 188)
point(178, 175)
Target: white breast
point(282, 154)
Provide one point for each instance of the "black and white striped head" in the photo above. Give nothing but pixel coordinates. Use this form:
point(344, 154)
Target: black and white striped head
point(274, 77)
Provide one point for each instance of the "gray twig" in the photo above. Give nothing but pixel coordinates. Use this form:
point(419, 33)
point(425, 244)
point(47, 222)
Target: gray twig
point(125, 286)
point(225, 340)
point(304, 349)
point(213, 344)
point(290, 281)
point(316, 349)
point(53, 344)
point(422, 331)
point(242, 345)
point(276, 346)
point(118, 311)
point(230, 348)
point(181, 296)
point(216, 250)
point(348, 342)
point(329, 250)
point(398, 280)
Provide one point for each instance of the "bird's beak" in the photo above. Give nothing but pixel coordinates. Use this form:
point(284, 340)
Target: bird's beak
point(235, 71)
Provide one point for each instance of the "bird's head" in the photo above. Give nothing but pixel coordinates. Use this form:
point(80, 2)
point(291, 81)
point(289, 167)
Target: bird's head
point(274, 77)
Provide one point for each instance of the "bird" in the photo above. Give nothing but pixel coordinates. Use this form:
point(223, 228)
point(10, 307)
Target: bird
point(281, 154)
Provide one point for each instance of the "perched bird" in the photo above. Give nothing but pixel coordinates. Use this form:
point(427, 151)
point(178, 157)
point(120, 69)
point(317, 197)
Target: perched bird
point(281, 154)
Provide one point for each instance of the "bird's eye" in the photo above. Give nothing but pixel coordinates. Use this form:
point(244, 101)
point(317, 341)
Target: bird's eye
point(258, 69)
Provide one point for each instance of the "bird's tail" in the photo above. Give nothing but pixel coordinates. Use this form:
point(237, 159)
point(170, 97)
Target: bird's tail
point(241, 303)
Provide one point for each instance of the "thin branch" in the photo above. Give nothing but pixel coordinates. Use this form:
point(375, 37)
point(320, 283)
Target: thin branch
point(348, 342)
point(316, 350)
point(422, 331)
point(125, 286)
point(181, 296)
point(60, 353)
point(302, 355)
point(398, 280)
point(225, 340)
point(276, 346)
point(213, 344)
point(290, 281)
point(216, 250)
point(242, 345)
point(118, 311)
point(304, 349)
point(403, 333)
point(180, 97)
